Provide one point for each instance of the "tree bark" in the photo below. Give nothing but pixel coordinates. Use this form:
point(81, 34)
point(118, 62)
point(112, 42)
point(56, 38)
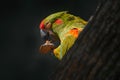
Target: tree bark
point(96, 53)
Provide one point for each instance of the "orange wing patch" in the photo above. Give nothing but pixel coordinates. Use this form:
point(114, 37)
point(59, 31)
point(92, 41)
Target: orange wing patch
point(75, 32)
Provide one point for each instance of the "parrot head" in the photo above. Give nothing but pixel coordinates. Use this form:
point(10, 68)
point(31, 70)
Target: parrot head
point(46, 25)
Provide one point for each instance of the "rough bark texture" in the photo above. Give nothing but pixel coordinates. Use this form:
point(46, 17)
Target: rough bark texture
point(96, 53)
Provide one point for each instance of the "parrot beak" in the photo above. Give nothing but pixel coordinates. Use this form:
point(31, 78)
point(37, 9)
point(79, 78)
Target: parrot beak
point(48, 35)
point(44, 35)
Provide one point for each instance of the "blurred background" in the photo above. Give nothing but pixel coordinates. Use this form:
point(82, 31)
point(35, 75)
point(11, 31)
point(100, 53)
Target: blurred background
point(20, 37)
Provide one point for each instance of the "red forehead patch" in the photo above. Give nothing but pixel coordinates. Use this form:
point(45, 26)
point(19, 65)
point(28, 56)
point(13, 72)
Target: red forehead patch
point(59, 21)
point(42, 25)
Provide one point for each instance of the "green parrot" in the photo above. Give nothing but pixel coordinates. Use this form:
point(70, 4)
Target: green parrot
point(64, 27)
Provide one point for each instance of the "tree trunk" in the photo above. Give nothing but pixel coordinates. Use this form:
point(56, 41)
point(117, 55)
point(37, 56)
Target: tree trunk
point(96, 53)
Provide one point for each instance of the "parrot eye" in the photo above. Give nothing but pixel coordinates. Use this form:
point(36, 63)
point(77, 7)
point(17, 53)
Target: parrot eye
point(48, 25)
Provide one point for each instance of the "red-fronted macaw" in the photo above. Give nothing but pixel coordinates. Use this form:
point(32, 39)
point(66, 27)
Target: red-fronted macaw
point(64, 26)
